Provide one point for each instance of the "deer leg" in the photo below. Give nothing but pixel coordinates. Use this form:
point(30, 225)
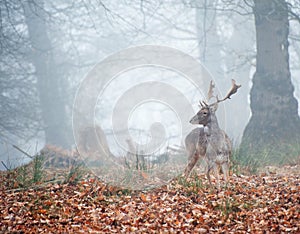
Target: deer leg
point(216, 171)
point(209, 167)
point(225, 169)
point(192, 161)
point(215, 168)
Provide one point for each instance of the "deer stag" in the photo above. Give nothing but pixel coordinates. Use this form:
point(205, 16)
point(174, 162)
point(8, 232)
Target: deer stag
point(209, 142)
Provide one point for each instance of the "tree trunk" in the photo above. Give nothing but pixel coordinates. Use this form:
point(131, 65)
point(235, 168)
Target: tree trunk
point(274, 125)
point(50, 95)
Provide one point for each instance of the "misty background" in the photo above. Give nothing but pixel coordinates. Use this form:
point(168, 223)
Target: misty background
point(47, 48)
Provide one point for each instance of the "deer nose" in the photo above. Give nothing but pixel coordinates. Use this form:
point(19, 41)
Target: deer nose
point(194, 120)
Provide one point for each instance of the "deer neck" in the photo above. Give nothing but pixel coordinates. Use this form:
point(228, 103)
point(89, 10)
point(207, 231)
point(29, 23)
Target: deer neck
point(213, 125)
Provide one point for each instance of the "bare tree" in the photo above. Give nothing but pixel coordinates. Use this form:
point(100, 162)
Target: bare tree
point(48, 82)
point(274, 122)
point(19, 112)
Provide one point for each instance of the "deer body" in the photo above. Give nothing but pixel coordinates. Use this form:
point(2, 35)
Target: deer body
point(218, 150)
point(196, 145)
point(211, 143)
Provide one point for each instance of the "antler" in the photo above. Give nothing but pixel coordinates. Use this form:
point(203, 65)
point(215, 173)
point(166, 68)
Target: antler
point(210, 94)
point(210, 90)
point(203, 104)
point(232, 91)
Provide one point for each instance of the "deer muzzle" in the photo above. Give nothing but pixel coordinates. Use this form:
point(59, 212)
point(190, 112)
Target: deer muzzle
point(195, 120)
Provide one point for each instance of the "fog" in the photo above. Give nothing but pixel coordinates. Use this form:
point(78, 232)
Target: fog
point(48, 49)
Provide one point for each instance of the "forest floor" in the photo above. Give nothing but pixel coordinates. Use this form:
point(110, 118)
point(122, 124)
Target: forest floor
point(269, 202)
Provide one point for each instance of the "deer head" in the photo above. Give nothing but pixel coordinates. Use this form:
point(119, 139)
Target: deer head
point(206, 110)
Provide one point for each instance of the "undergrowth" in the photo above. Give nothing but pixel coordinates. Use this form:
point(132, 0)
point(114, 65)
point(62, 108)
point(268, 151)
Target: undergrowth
point(244, 161)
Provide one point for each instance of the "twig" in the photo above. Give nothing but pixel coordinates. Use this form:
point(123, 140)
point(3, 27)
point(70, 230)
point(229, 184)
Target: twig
point(5, 166)
point(22, 151)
